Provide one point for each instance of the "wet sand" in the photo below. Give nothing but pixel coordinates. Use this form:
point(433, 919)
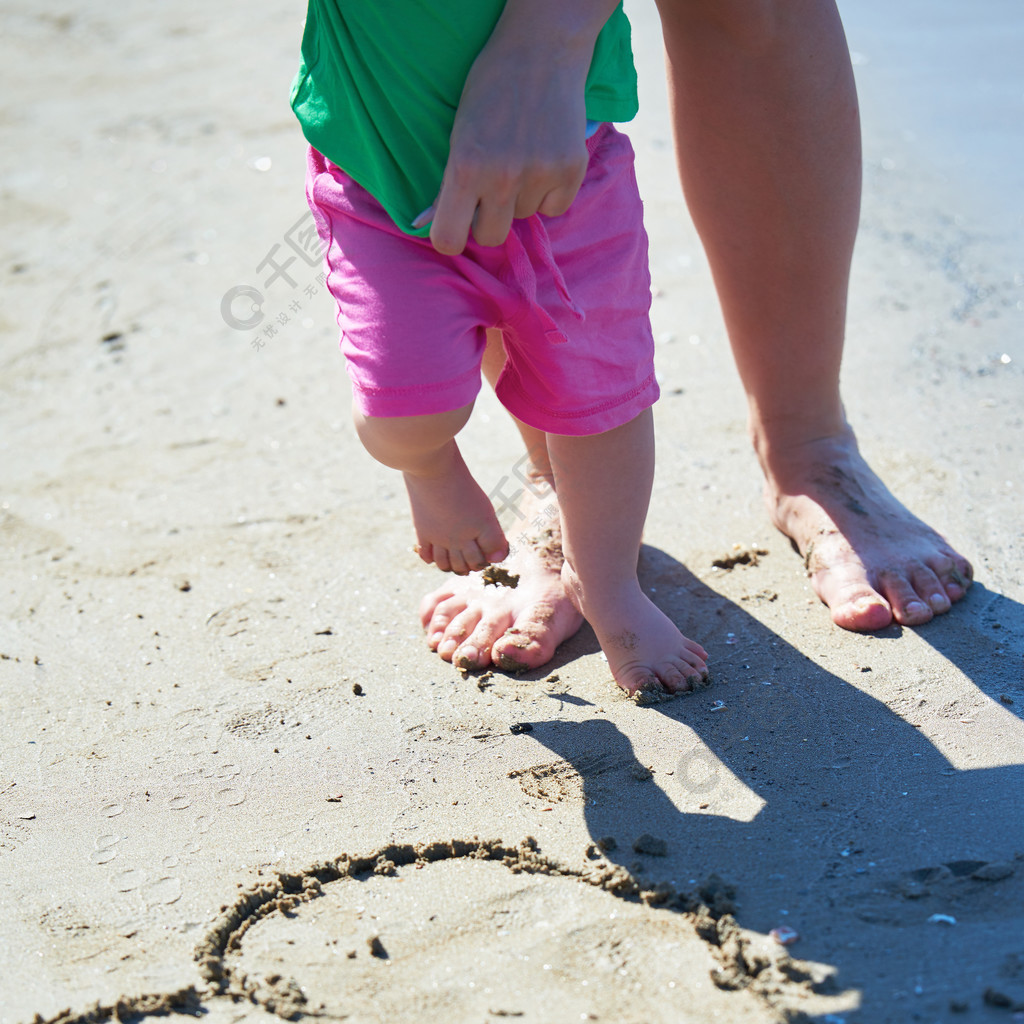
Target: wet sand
point(234, 780)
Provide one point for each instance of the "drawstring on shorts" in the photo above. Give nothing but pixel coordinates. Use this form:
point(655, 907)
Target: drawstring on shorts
point(526, 256)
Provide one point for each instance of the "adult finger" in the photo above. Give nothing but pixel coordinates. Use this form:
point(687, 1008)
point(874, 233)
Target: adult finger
point(453, 216)
point(421, 220)
point(493, 221)
point(558, 200)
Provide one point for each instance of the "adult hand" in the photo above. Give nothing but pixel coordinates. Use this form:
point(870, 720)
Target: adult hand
point(518, 144)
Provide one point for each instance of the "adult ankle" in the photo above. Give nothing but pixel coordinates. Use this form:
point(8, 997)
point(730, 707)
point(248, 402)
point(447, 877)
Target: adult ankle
point(782, 441)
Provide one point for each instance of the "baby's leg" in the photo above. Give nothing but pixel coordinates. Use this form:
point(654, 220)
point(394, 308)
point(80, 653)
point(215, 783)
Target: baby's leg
point(474, 625)
point(456, 527)
point(604, 486)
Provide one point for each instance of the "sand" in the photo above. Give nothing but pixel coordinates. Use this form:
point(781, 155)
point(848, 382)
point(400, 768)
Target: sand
point(233, 779)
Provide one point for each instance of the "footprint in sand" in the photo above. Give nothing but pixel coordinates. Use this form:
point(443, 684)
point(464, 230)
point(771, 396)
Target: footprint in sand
point(561, 780)
point(953, 892)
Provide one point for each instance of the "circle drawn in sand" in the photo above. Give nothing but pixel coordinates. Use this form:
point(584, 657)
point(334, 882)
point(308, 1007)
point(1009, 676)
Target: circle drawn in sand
point(442, 942)
point(472, 930)
point(476, 930)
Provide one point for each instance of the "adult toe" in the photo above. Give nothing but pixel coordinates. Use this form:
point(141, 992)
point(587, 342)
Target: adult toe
point(476, 651)
point(908, 607)
point(469, 656)
point(929, 588)
point(522, 648)
point(853, 602)
point(534, 636)
point(433, 604)
point(437, 611)
point(956, 578)
point(456, 632)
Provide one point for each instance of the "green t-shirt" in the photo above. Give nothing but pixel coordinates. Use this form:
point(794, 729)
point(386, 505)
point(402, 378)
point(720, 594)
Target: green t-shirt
point(380, 81)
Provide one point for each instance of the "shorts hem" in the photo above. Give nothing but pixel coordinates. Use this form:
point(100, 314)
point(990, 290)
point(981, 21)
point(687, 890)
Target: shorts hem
point(387, 403)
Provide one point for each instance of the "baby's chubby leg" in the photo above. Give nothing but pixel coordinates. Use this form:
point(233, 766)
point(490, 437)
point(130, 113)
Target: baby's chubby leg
point(456, 527)
point(604, 486)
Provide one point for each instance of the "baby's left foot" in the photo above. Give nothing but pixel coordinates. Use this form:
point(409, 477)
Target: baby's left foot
point(644, 648)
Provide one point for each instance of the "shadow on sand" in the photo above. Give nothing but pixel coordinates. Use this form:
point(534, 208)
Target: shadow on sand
point(859, 811)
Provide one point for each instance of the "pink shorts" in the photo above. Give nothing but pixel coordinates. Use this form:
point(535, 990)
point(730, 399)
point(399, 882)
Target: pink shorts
point(571, 295)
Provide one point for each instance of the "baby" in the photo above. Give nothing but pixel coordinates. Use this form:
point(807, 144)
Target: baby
point(557, 315)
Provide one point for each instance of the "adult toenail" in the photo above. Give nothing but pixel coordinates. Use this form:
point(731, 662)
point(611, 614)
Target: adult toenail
point(939, 602)
point(957, 577)
point(468, 657)
point(916, 607)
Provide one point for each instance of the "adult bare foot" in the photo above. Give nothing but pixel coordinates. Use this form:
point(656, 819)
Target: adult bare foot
point(644, 648)
point(456, 527)
point(473, 625)
point(868, 557)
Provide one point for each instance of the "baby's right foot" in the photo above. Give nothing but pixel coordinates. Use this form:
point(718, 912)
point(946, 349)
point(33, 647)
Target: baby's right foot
point(456, 527)
point(644, 648)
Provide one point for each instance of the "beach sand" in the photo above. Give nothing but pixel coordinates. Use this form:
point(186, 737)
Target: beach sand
point(201, 566)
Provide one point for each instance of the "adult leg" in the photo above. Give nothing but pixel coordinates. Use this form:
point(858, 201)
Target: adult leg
point(768, 144)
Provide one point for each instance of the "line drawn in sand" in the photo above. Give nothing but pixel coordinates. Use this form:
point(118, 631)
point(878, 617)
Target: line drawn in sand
point(450, 939)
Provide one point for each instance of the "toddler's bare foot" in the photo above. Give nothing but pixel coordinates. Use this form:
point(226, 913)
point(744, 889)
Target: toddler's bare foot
point(473, 625)
point(456, 527)
point(868, 558)
point(644, 648)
